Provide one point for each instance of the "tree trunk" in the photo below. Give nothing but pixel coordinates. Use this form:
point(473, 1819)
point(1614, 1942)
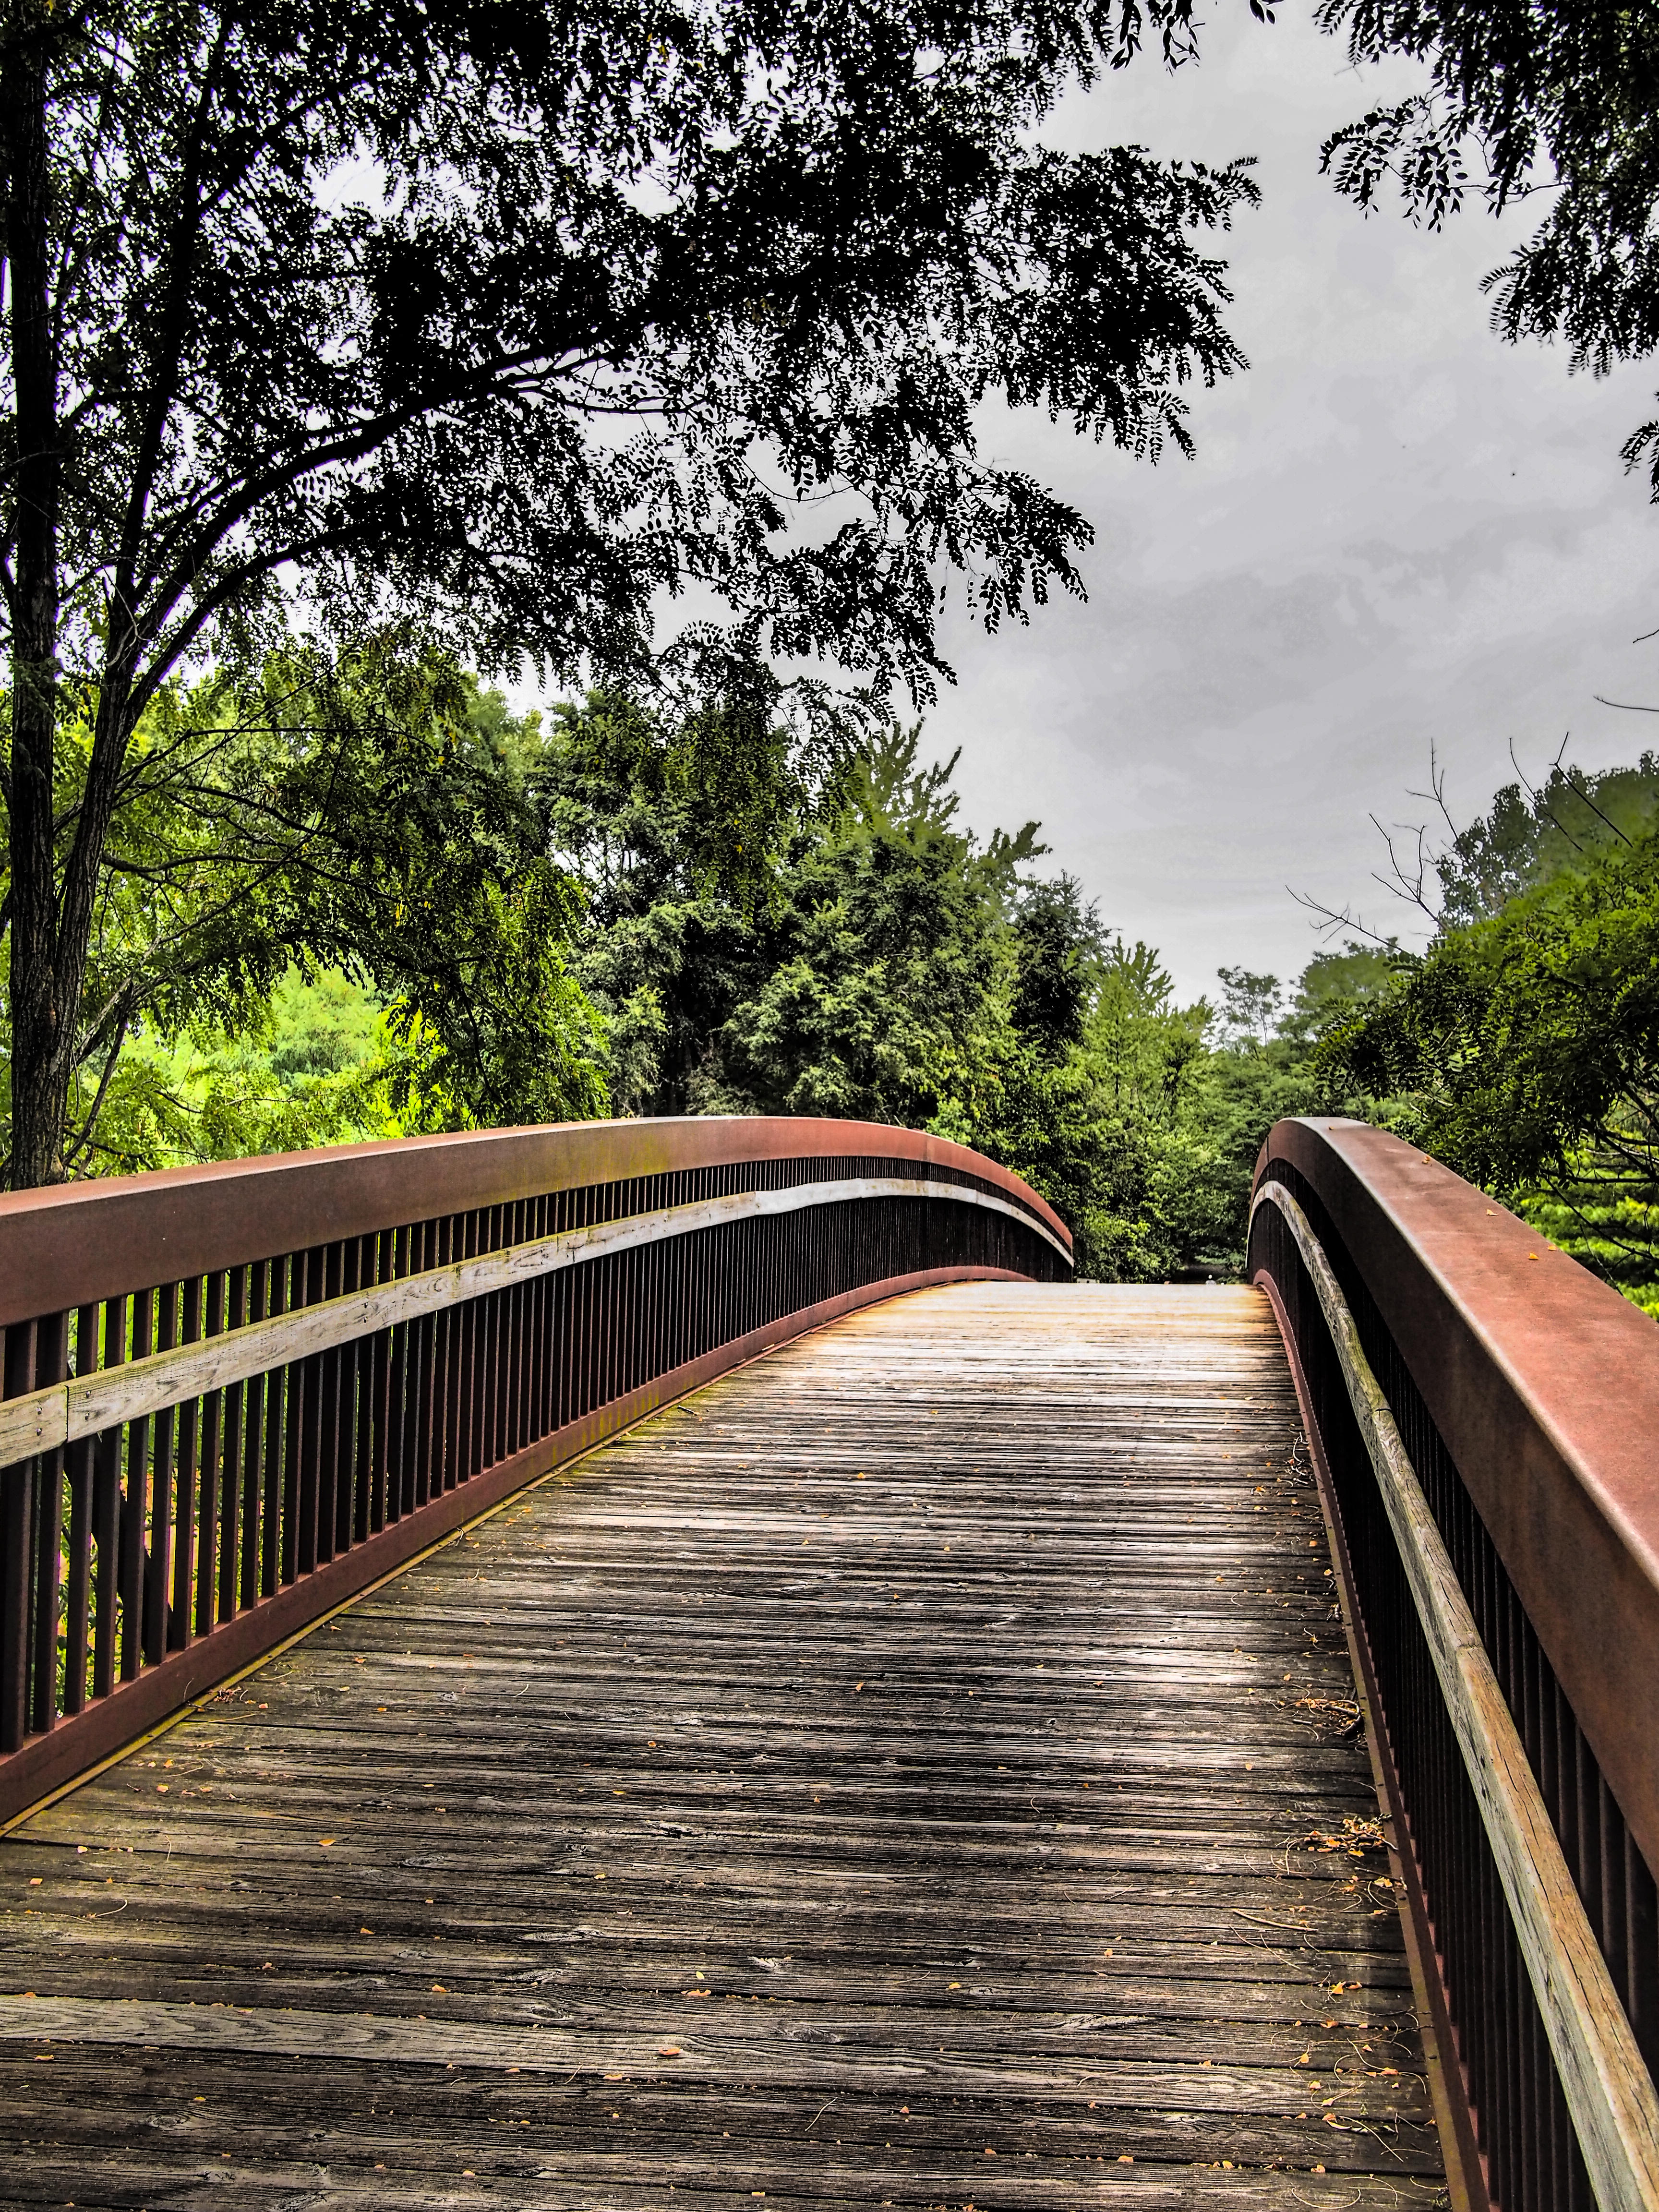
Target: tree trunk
point(42, 1027)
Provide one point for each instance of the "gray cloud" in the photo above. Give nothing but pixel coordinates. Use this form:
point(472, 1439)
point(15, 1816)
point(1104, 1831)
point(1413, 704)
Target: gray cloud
point(1398, 532)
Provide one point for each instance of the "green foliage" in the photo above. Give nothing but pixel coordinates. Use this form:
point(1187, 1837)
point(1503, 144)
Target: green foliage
point(875, 960)
point(1563, 94)
point(1333, 980)
point(1523, 1047)
point(516, 323)
point(501, 313)
point(1565, 826)
point(355, 827)
point(357, 896)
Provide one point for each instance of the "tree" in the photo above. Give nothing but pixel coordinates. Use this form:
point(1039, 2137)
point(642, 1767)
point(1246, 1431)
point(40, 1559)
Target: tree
point(1557, 96)
point(772, 941)
point(363, 813)
point(679, 831)
point(1522, 1047)
point(876, 959)
point(526, 318)
point(1057, 945)
point(1567, 825)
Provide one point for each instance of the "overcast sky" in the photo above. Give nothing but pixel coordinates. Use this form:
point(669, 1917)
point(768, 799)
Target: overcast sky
point(1398, 532)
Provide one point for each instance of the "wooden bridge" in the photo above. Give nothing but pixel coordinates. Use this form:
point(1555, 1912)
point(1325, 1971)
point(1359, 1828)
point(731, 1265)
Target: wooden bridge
point(801, 1701)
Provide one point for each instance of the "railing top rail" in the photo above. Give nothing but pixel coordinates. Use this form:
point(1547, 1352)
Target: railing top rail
point(1544, 1385)
point(70, 1244)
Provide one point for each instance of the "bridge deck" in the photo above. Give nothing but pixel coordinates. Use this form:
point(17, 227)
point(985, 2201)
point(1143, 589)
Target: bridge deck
point(903, 1773)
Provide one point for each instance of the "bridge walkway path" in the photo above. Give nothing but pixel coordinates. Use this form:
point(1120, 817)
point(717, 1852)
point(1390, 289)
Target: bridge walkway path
point(915, 1771)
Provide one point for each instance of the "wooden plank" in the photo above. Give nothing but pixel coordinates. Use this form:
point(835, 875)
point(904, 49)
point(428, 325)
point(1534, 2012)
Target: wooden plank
point(1000, 1826)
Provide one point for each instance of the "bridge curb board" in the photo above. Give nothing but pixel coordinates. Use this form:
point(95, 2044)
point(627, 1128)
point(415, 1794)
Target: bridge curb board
point(1466, 2172)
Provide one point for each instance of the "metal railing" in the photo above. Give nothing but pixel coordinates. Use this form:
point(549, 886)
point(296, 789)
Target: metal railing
point(1484, 1415)
point(236, 1396)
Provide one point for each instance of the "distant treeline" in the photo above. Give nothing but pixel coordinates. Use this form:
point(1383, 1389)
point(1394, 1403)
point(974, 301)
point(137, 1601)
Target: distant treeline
point(361, 897)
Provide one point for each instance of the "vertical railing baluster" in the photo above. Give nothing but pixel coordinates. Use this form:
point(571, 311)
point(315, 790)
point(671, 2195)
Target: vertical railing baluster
point(283, 1294)
point(211, 1476)
point(17, 1488)
point(232, 1535)
point(394, 1435)
point(158, 1578)
point(445, 1363)
point(1642, 1921)
point(469, 1361)
point(427, 1454)
point(180, 1618)
point(358, 1504)
point(302, 1466)
point(329, 1420)
point(51, 1365)
point(107, 1510)
point(77, 1606)
point(136, 1503)
point(256, 1421)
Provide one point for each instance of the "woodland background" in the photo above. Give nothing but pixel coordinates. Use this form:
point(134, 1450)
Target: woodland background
point(362, 898)
point(350, 350)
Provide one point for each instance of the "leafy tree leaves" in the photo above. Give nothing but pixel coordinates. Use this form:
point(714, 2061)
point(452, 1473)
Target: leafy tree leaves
point(364, 814)
point(1523, 1047)
point(524, 323)
point(1557, 96)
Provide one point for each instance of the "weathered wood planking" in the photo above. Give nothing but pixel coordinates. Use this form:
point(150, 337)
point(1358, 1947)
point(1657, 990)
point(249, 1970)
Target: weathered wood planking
point(884, 1778)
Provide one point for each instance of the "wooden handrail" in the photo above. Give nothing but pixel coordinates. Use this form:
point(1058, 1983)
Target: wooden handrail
point(44, 1420)
point(1609, 2092)
point(90, 1240)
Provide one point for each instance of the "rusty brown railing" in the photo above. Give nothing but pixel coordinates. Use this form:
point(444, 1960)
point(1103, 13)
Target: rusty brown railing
point(1484, 1415)
point(236, 1396)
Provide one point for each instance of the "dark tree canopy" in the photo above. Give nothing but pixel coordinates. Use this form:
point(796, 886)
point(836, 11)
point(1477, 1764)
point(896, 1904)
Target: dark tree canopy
point(1556, 99)
point(525, 318)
